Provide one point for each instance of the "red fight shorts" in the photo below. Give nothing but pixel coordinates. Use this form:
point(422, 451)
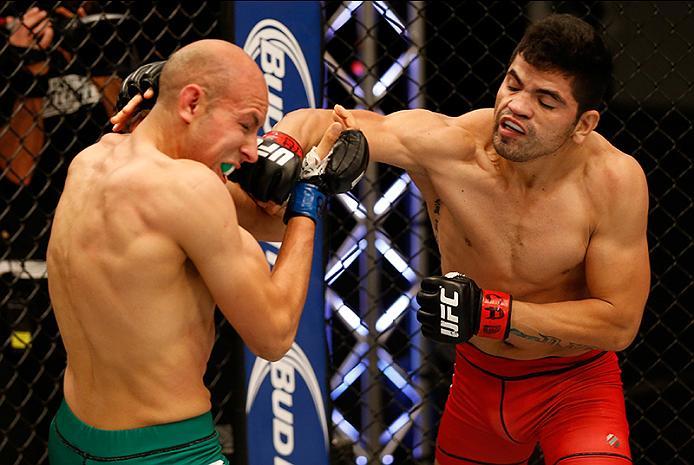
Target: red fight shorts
point(498, 410)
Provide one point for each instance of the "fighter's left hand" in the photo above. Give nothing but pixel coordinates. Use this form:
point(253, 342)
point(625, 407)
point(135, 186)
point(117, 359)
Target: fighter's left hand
point(454, 308)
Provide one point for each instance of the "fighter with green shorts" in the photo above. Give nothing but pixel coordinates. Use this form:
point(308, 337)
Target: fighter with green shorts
point(149, 238)
point(188, 442)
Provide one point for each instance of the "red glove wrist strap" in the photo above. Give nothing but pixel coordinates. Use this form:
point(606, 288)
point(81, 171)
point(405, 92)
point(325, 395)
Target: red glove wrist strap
point(285, 140)
point(495, 315)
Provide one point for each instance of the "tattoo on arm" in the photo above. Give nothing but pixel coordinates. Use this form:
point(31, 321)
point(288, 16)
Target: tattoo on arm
point(435, 219)
point(551, 340)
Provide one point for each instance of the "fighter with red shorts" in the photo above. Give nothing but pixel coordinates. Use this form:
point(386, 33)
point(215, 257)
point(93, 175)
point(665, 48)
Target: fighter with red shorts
point(572, 406)
point(526, 198)
point(499, 409)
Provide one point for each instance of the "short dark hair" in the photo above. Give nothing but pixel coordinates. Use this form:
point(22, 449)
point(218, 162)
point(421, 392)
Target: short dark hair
point(572, 47)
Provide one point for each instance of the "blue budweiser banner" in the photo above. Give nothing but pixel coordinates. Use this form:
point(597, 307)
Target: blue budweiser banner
point(285, 39)
point(286, 407)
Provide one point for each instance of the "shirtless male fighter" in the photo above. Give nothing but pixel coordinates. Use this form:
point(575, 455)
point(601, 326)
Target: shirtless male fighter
point(147, 239)
point(541, 227)
point(526, 200)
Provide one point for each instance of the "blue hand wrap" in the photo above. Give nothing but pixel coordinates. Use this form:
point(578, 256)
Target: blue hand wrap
point(306, 200)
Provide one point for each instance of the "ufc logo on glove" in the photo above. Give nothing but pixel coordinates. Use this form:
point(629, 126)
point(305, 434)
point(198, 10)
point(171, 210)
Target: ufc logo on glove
point(449, 322)
point(453, 309)
point(274, 152)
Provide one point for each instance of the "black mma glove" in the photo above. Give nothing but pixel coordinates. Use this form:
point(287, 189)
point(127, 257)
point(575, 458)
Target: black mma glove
point(454, 308)
point(273, 176)
point(138, 82)
point(337, 173)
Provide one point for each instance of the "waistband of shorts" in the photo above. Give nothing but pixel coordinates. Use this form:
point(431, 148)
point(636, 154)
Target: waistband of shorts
point(118, 443)
point(511, 369)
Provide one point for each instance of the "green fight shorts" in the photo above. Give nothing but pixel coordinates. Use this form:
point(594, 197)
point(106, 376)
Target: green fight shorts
point(188, 442)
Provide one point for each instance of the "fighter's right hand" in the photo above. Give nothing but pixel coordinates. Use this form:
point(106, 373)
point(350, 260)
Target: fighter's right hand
point(334, 174)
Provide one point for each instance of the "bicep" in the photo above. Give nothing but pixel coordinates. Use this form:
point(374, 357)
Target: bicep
point(238, 277)
point(617, 263)
point(618, 271)
point(229, 261)
point(409, 139)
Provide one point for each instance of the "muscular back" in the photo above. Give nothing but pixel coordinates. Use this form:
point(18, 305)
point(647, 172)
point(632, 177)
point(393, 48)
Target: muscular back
point(133, 312)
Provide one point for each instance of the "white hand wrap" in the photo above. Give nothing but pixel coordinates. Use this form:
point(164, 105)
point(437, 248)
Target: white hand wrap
point(313, 165)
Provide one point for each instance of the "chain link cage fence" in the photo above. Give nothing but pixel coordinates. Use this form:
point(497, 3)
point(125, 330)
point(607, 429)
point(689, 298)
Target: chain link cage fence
point(387, 384)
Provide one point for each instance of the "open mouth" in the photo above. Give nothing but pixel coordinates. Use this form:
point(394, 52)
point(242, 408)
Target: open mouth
point(227, 168)
point(511, 126)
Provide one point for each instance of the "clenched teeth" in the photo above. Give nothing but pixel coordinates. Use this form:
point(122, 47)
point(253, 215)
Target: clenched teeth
point(513, 126)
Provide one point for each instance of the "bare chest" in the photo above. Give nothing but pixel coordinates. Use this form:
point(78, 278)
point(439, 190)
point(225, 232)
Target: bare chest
point(527, 244)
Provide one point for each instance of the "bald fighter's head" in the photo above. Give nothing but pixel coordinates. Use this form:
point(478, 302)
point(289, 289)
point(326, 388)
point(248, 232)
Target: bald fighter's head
point(221, 68)
point(212, 101)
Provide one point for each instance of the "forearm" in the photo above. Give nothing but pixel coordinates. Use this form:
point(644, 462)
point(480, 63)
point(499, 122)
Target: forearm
point(293, 266)
point(263, 224)
point(291, 274)
point(579, 325)
point(307, 126)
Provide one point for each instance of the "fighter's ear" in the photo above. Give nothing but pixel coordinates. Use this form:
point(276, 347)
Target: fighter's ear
point(189, 102)
point(586, 123)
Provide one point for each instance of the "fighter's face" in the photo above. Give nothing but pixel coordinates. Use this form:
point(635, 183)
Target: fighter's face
point(534, 114)
point(231, 130)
